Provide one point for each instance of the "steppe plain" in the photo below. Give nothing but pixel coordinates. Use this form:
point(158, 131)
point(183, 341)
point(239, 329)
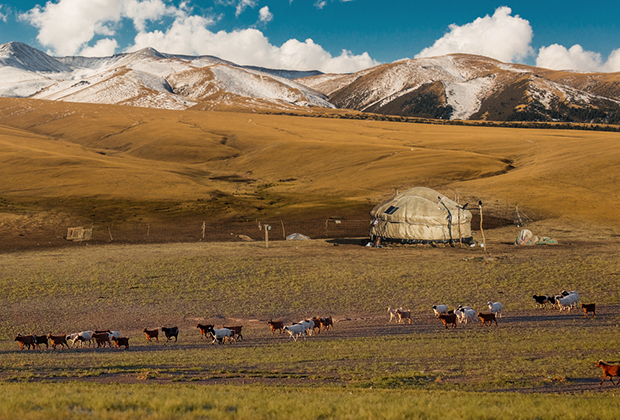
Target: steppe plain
point(66, 165)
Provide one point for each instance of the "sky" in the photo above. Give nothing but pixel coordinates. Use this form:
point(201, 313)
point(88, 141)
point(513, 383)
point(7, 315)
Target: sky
point(337, 36)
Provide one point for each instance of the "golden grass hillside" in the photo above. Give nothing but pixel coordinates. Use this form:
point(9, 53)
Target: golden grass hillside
point(255, 165)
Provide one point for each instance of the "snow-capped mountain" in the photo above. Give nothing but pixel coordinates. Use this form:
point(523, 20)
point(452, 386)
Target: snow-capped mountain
point(148, 78)
point(457, 86)
point(461, 86)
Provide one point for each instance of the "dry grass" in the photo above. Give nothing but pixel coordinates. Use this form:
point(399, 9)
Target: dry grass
point(250, 164)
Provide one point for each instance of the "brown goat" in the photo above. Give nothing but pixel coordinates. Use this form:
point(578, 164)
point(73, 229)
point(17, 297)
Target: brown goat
point(236, 332)
point(403, 315)
point(490, 318)
point(58, 340)
point(102, 339)
point(203, 329)
point(448, 319)
point(122, 341)
point(276, 325)
point(25, 340)
point(326, 323)
point(150, 334)
point(609, 371)
point(590, 307)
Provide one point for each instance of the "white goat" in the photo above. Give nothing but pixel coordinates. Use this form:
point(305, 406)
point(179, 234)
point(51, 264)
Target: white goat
point(295, 331)
point(440, 309)
point(496, 308)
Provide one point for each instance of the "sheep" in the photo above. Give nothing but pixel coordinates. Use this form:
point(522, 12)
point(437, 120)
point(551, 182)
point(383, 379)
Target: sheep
point(590, 307)
point(496, 308)
point(609, 371)
point(440, 309)
point(490, 318)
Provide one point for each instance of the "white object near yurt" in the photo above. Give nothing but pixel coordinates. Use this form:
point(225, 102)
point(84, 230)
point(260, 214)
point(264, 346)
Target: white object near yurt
point(421, 215)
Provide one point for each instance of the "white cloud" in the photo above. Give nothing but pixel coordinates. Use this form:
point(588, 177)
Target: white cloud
point(264, 15)
point(320, 4)
point(244, 4)
point(103, 48)
point(558, 57)
point(501, 36)
point(68, 27)
point(2, 15)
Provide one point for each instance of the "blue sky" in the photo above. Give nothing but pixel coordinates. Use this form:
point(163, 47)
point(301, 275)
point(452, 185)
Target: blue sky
point(329, 35)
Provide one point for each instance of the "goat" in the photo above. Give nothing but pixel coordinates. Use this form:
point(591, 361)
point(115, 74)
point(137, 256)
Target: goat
point(496, 308)
point(541, 301)
point(219, 335)
point(392, 313)
point(203, 329)
point(440, 309)
point(490, 318)
point(609, 371)
point(275, 326)
point(120, 341)
point(326, 323)
point(295, 331)
point(170, 332)
point(317, 324)
point(590, 307)
point(41, 339)
point(403, 315)
point(572, 295)
point(58, 340)
point(101, 339)
point(308, 325)
point(236, 332)
point(83, 337)
point(150, 334)
point(465, 314)
point(564, 303)
point(448, 319)
point(25, 341)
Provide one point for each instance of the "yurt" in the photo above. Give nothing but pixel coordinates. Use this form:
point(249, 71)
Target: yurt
point(421, 216)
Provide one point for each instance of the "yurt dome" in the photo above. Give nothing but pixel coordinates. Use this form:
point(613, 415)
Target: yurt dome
point(421, 215)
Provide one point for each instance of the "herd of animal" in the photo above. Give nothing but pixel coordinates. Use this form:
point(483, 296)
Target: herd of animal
point(450, 317)
point(302, 328)
point(565, 301)
point(109, 338)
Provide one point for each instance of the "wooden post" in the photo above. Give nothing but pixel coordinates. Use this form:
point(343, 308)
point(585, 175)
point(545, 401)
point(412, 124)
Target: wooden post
point(266, 236)
point(459, 209)
point(283, 232)
point(484, 241)
point(204, 228)
point(110, 232)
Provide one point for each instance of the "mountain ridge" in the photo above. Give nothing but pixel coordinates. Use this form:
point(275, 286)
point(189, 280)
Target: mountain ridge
point(455, 86)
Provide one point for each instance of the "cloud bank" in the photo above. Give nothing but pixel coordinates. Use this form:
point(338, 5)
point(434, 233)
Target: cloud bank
point(68, 27)
point(93, 27)
point(501, 36)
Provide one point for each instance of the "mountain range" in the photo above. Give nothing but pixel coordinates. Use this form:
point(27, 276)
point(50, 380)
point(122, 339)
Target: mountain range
point(456, 86)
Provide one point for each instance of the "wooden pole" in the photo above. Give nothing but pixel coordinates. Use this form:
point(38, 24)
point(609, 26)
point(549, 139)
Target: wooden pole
point(459, 209)
point(283, 231)
point(484, 241)
point(204, 228)
point(266, 236)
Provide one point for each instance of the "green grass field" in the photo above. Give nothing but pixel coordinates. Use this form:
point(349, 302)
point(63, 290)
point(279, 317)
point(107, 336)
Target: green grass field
point(535, 364)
